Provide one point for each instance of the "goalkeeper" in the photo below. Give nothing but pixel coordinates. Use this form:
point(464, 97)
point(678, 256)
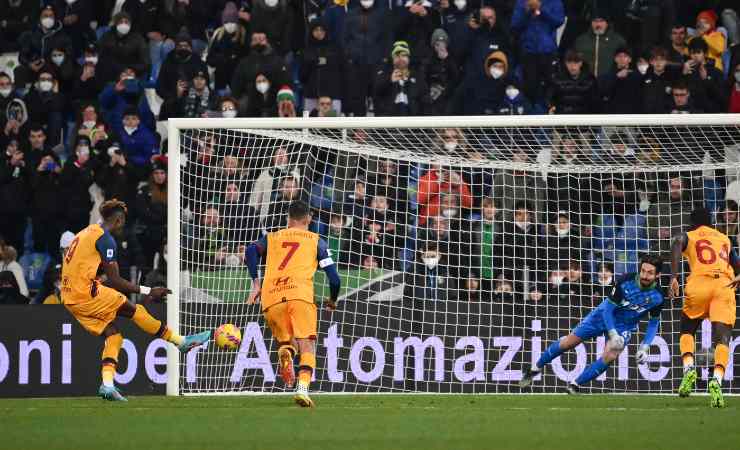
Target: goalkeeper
point(632, 298)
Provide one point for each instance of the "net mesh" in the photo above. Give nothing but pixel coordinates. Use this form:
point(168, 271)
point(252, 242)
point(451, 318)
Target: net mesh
point(462, 251)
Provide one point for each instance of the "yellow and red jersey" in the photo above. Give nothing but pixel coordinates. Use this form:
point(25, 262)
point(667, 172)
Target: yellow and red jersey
point(709, 253)
point(89, 248)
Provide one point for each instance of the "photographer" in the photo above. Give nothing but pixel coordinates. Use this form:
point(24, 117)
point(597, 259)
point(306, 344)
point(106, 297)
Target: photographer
point(49, 204)
point(399, 89)
point(117, 177)
point(706, 82)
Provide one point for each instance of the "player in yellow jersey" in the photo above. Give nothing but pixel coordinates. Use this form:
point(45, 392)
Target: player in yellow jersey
point(287, 294)
point(96, 306)
point(708, 293)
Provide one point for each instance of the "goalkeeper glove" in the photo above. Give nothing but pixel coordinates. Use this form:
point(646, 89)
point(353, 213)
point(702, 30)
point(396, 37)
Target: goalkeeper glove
point(616, 341)
point(642, 354)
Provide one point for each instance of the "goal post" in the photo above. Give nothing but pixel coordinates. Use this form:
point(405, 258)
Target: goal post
point(465, 244)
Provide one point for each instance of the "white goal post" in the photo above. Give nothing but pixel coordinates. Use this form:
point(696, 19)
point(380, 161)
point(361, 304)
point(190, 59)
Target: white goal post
point(465, 244)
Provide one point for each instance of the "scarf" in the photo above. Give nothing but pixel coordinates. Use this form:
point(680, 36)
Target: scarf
point(196, 106)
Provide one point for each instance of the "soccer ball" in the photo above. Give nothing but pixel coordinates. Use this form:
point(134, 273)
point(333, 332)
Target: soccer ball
point(228, 337)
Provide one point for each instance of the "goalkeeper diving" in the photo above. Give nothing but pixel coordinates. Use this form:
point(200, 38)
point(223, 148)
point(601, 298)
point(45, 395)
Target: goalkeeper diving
point(634, 297)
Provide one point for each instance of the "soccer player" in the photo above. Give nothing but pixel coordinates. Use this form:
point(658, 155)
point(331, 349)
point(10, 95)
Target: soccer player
point(96, 306)
point(287, 294)
point(633, 297)
point(708, 292)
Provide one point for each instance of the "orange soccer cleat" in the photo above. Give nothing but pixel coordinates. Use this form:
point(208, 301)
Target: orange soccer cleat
point(287, 372)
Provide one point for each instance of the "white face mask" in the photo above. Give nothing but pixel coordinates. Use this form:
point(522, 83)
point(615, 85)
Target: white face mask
point(644, 205)
point(521, 225)
point(430, 261)
point(45, 86)
point(123, 28)
point(367, 4)
point(599, 32)
point(91, 59)
point(460, 4)
point(496, 73)
point(83, 152)
point(262, 87)
point(47, 22)
point(229, 113)
point(130, 130)
point(233, 260)
point(563, 232)
point(737, 76)
point(512, 92)
point(57, 59)
point(642, 68)
point(450, 146)
point(230, 27)
point(6, 91)
point(556, 280)
point(271, 3)
point(88, 124)
point(450, 212)
point(605, 281)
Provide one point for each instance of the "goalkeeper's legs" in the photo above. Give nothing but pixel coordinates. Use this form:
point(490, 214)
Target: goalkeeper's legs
point(113, 343)
point(686, 345)
point(554, 350)
point(306, 366)
point(596, 368)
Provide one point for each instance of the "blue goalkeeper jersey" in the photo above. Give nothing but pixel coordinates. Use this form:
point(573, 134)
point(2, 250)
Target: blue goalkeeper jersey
point(633, 302)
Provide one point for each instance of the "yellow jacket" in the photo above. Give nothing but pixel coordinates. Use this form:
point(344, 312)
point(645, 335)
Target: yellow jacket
point(717, 44)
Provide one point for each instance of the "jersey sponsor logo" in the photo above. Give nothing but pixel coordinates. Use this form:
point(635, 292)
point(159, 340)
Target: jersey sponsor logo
point(282, 281)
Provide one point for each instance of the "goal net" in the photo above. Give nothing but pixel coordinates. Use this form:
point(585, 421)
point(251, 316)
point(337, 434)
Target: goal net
point(465, 245)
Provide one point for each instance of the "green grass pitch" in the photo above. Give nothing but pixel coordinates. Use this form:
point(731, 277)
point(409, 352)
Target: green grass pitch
point(374, 422)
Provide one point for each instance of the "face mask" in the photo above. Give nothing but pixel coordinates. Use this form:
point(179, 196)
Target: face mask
point(737, 76)
point(229, 113)
point(496, 73)
point(83, 152)
point(448, 213)
point(556, 280)
point(642, 68)
point(262, 87)
point(271, 3)
point(512, 93)
point(644, 205)
point(123, 28)
point(460, 4)
point(564, 232)
point(47, 22)
point(88, 124)
point(57, 59)
point(599, 32)
point(91, 59)
point(130, 130)
point(230, 27)
point(450, 146)
point(6, 91)
point(233, 260)
point(522, 225)
point(335, 230)
point(367, 4)
point(281, 167)
point(431, 262)
point(605, 281)
point(45, 86)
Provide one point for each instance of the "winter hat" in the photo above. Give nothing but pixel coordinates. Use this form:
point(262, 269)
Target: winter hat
point(201, 74)
point(440, 35)
point(400, 47)
point(121, 15)
point(710, 16)
point(159, 164)
point(285, 93)
point(497, 56)
point(230, 14)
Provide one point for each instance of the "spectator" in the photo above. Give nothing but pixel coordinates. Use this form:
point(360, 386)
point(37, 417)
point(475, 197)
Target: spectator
point(669, 215)
point(442, 75)
point(656, 85)
point(36, 44)
point(678, 51)
point(75, 17)
point(205, 245)
point(482, 91)
point(484, 234)
point(514, 102)
point(117, 178)
point(51, 293)
point(576, 286)
point(338, 238)
point(321, 68)
point(9, 291)
point(180, 64)
point(286, 102)
point(76, 178)
point(387, 181)
point(433, 183)
point(151, 210)
point(87, 83)
point(137, 141)
point(325, 107)
point(564, 242)
point(37, 146)
point(484, 37)
point(379, 236)
point(573, 89)
point(567, 190)
point(355, 201)
point(125, 94)
point(455, 23)
point(227, 46)
point(153, 19)
point(15, 174)
point(513, 185)
point(194, 98)
point(275, 18)
point(430, 279)
point(46, 104)
point(414, 24)
point(65, 67)
point(716, 44)
point(536, 23)
point(603, 283)
point(598, 45)
point(438, 229)
point(727, 223)
point(262, 60)
point(734, 85)
point(706, 82)
point(194, 17)
point(120, 49)
point(277, 215)
point(682, 102)
point(364, 43)
point(48, 204)
point(229, 107)
point(7, 94)
point(9, 263)
point(262, 100)
point(19, 17)
point(618, 87)
point(399, 90)
point(237, 216)
point(90, 124)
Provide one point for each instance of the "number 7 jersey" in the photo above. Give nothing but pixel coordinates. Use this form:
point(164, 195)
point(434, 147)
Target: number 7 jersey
point(709, 254)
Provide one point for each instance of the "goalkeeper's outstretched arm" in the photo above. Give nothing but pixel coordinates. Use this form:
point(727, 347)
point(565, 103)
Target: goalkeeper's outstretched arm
point(327, 264)
point(253, 254)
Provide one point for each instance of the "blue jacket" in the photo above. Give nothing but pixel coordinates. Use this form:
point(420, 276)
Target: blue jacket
point(517, 106)
point(139, 146)
point(537, 34)
point(365, 47)
point(114, 104)
point(455, 23)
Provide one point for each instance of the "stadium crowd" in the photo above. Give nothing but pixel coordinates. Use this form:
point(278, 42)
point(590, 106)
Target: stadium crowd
point(79, 113)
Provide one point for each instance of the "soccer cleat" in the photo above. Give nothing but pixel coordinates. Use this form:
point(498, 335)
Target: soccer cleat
point(301, 397)
point(715, 394)
point(110, 393)
point(287, 372)
point(528, 377)
point(194, 340)
point(573, 389)
point(687, 383)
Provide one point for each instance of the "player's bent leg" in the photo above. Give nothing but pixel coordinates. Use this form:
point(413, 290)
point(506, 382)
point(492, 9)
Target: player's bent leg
point(554, 350)
point(596, 368)
point(306, 367)
point(113, 343)
point(147, 323)
point(687, 345)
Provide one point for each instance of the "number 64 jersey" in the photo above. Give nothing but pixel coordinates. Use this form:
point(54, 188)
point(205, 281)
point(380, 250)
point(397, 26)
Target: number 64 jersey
point(292, 258)
point(711, 262)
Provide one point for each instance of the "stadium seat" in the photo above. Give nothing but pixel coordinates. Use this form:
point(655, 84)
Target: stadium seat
point(34, 266)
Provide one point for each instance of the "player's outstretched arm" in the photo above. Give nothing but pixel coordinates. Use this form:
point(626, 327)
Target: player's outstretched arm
point(677, 248)
point(123, 286)
point(327, 264)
